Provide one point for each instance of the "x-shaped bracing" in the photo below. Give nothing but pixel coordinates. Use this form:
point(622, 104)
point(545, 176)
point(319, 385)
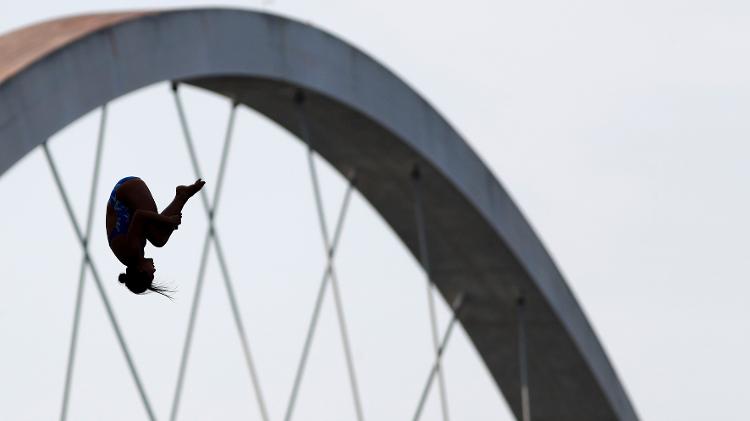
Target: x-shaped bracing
point(212, 237)
point(329, 273)
point(87, 261)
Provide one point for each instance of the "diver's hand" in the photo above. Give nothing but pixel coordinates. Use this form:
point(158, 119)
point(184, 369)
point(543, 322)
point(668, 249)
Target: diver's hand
point(175, 220)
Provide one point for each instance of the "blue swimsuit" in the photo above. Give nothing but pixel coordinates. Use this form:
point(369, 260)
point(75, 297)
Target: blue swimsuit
point(122, 212)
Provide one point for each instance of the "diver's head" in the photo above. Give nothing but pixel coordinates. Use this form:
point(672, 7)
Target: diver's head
point(139, 278)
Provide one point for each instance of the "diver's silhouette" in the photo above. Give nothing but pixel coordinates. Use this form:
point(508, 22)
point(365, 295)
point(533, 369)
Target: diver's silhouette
point(132, 218)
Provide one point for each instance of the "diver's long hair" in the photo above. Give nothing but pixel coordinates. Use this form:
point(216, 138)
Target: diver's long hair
point(139, 283)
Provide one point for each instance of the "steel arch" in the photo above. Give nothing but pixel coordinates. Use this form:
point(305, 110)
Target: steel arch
point(361, 117)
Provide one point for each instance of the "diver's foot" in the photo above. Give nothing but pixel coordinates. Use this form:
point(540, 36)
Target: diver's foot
point(186, 192)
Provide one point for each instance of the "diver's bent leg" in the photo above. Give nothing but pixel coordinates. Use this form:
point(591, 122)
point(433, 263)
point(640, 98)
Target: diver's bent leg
point(175, 208)
point(181, 196)
point(158, 234)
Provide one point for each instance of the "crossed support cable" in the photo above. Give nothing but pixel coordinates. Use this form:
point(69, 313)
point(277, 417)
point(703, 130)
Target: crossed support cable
point(83, 240)
point(82, 271)
point(458, 303)
point(328, 274)
point(425, 260)
point(213, 236)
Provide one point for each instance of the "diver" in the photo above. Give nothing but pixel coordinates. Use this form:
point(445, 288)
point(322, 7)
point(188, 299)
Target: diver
point(133, 219)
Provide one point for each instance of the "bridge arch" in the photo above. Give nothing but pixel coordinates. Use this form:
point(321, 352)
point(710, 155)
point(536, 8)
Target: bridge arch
point(361, 116)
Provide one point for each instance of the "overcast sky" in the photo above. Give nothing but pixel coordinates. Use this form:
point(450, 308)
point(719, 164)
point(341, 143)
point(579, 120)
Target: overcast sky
point(620, 129)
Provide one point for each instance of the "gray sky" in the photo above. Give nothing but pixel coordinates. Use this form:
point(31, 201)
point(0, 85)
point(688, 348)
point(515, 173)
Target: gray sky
point(620, 129)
